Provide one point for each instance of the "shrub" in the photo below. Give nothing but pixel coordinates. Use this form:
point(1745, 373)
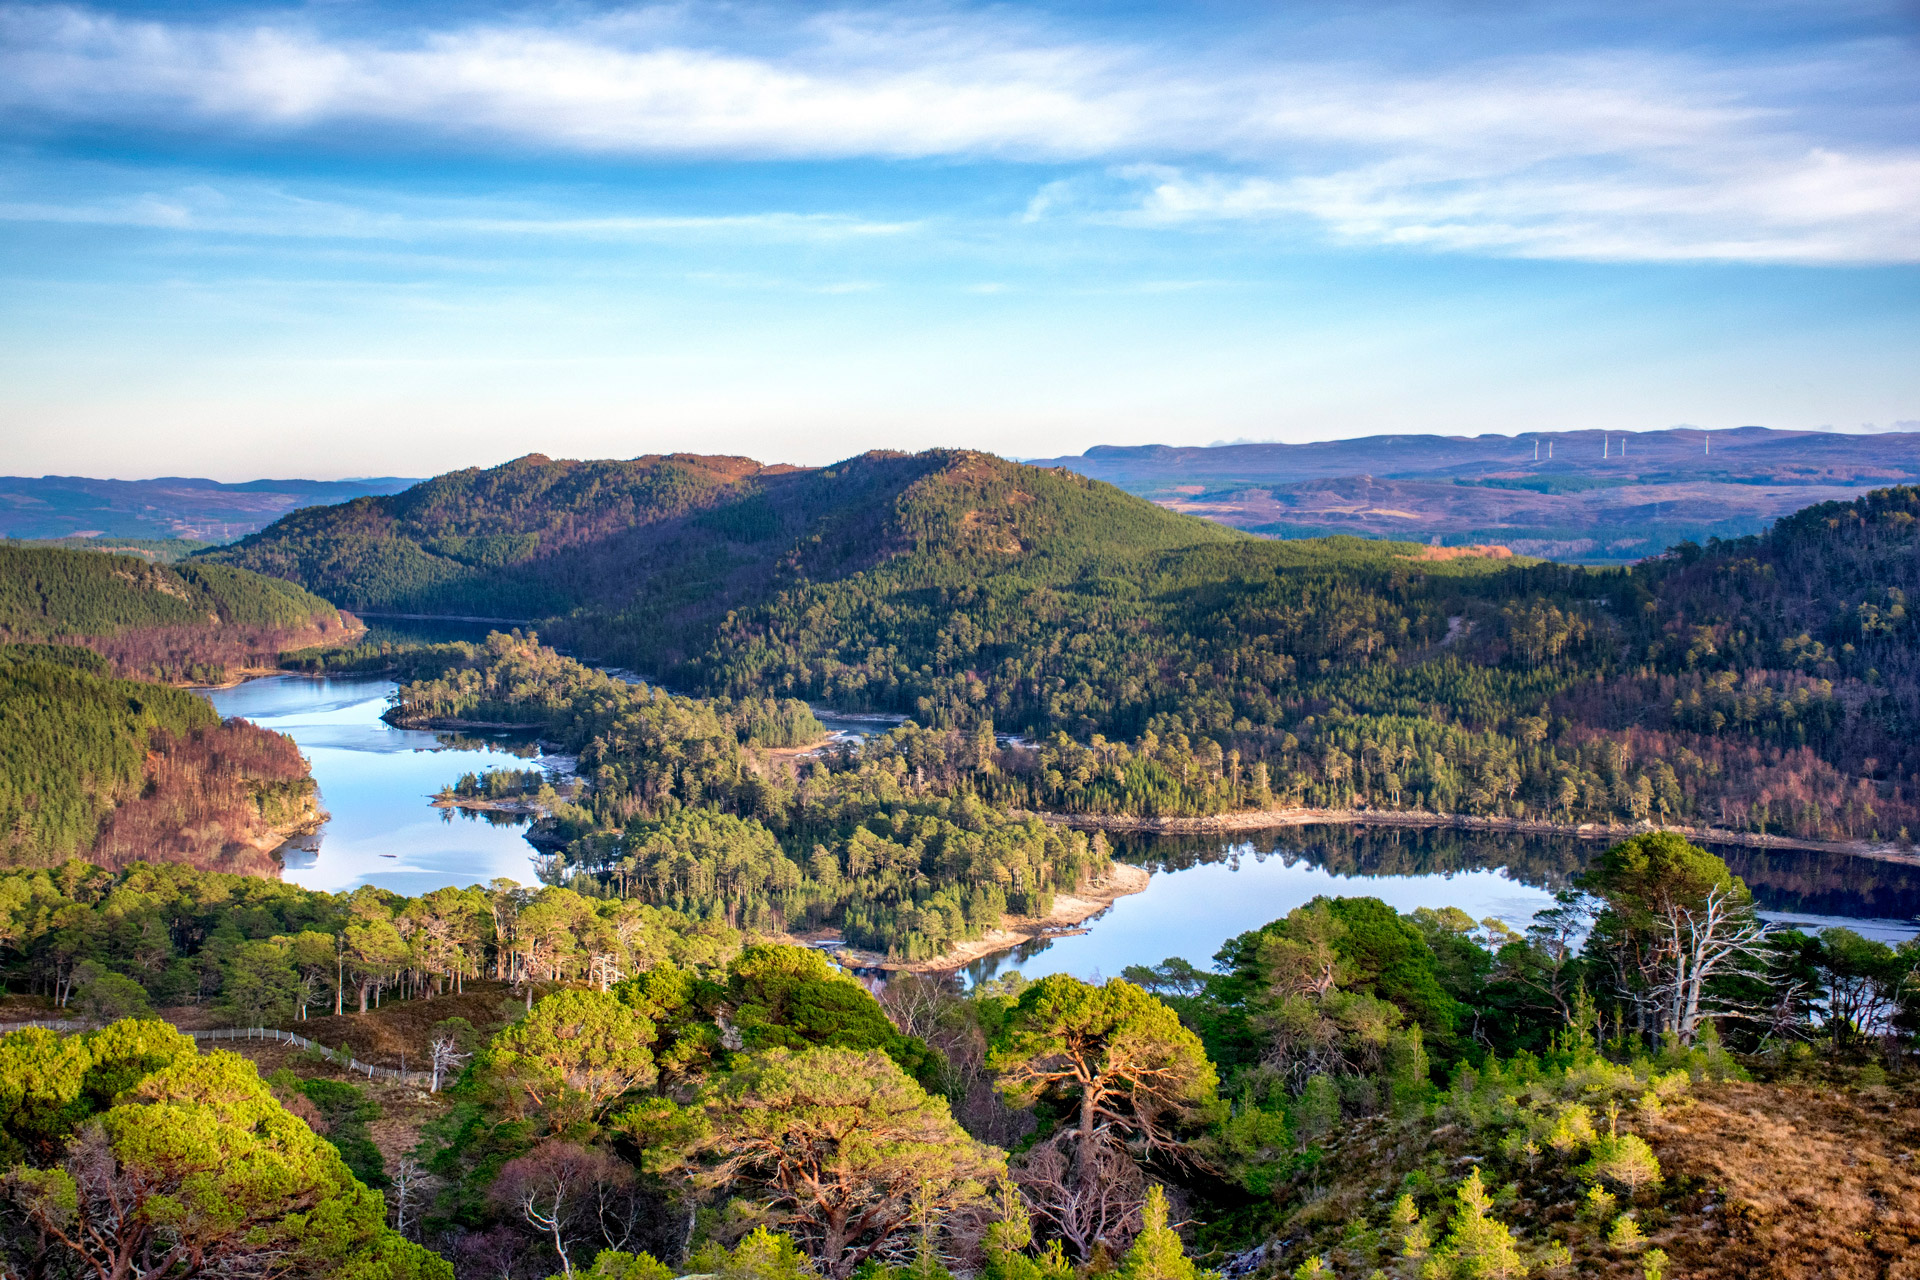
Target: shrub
point(1625, 1234)
point(1626, 1160)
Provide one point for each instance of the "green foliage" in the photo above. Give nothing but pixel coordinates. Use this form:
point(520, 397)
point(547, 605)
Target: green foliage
point(258, 986)
point(75, 746)
point(613, 1264)
point(200, 1158)
point(109, 997)
point(93, 766)
point(1477, 1246)
point(1750, 683)
point(165, 621)
point(840, 1148)
point(570, 1059)
point(1111, 1061)
point(1625, 1234)
point(790, 997)
point(761, 1255)
point(1623, 1159)
point(345, 1112)
point(1156, 1253)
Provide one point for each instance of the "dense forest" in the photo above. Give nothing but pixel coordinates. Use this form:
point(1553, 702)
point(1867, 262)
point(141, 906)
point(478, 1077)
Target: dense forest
point(182, 621)
point(699, 805)
point(622, 1091)
point(118, 771)
point(1168, 666)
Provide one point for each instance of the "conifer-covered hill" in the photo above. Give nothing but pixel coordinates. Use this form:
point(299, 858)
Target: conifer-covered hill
point(116, 771)
point(182, 621)
point(537, 537)
point(654, 552)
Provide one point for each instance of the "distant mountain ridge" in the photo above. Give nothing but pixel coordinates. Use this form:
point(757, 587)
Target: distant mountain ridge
point(166, 507)
point(1570, 495)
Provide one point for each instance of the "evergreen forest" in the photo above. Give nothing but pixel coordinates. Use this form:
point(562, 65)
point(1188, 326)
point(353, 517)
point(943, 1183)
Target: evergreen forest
point(184, 621)
point(117, 771)
point(1163, 666)
point(608, 1087)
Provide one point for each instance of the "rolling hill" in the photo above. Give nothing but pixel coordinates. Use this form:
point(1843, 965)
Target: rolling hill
point(170, 622)
point(1575, 495)
point(118, 771)
point(644, 559)
point(1765, 683)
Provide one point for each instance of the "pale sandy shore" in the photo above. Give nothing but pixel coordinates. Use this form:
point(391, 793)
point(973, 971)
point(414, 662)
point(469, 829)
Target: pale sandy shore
point(1069, 909)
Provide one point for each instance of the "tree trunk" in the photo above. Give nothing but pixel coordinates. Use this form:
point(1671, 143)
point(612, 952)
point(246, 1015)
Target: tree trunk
point(1084, 1148)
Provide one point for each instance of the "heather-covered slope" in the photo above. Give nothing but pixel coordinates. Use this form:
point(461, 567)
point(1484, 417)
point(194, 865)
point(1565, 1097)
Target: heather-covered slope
point(185, 621)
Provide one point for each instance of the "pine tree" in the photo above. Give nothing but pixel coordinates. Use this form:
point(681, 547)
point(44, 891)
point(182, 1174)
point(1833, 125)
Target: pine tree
point(1477, 1247)
point(1156, 1253)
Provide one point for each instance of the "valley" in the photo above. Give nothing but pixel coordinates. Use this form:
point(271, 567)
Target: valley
point(1358, 862)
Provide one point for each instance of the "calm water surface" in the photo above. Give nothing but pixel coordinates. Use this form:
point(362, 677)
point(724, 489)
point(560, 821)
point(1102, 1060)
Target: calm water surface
point(378, 782)
point(1206, 890)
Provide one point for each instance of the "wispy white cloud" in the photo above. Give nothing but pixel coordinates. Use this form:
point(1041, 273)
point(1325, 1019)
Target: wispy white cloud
point(843, 91)
point(1609, 154)
point(255, 209)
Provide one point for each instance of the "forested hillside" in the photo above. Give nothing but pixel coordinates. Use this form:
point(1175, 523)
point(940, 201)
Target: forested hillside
point(188, 621)
point(1165, 666)
point(655, 551)
point(117, 771)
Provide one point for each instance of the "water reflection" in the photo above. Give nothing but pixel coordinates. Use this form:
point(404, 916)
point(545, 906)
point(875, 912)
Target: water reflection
point(1206, 890)
point(377, 783)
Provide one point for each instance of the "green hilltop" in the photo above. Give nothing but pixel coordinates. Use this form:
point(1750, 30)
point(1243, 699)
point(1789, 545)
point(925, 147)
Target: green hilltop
point(169, 621)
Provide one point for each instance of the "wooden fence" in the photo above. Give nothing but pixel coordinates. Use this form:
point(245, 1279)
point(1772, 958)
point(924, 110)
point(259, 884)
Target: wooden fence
point(339, 1057)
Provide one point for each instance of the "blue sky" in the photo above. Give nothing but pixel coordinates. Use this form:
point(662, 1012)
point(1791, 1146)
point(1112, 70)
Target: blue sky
point(347, 238)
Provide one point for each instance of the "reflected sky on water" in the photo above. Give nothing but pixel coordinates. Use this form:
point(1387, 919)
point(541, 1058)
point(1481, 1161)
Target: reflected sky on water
point(377, 782)
point(1206, 890)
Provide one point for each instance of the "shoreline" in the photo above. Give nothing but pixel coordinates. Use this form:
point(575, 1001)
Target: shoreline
point(523, 808)
point(1069, 911)
point(1275, 819)
point(349, 634)
point(454, 724)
